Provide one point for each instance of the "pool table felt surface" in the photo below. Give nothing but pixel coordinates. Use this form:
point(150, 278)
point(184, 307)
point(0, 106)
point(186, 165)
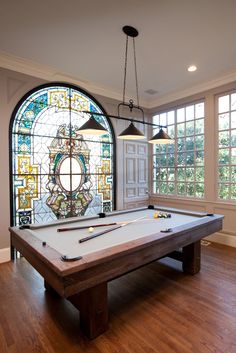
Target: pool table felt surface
point(67, 243)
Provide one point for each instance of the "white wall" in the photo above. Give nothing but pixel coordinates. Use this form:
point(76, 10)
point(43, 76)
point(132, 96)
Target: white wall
point(12, 87)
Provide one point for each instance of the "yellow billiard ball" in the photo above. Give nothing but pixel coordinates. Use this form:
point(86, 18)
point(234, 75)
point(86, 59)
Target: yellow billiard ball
point(156, 215)
point(91, 229)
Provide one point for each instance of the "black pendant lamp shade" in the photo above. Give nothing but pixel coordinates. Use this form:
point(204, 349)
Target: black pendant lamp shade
point(161, 138)
point(92, 127)
point(131, 133)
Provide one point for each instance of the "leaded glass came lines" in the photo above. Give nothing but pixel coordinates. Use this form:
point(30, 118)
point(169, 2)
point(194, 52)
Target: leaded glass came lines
point(56, 173)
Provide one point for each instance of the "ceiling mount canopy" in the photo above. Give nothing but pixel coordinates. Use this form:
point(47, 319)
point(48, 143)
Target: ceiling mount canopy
point(130, 31)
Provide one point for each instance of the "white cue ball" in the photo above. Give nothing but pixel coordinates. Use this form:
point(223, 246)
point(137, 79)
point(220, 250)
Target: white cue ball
point(91, 229)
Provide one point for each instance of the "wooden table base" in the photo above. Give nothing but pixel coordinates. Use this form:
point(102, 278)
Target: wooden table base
point(192, 258)
point(93, 307)
point(93, 302)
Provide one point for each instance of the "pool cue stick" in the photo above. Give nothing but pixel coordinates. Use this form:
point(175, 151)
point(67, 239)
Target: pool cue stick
point(92, 225)
point(84, 227)
point(108, 230)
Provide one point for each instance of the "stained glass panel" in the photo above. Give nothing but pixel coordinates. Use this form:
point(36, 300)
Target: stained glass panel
point(56, 173)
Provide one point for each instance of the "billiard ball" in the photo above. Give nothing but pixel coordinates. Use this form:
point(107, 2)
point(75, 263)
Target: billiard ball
point(91, 229)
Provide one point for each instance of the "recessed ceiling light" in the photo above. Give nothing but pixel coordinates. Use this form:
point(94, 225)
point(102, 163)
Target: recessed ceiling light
point(192, 68)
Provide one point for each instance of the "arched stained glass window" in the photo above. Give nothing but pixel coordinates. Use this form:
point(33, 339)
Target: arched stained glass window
point(56, 172)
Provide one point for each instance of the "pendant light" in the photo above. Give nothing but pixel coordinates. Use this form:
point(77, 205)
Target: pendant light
point(92, 127)
point(130, 133)
point(161, 138)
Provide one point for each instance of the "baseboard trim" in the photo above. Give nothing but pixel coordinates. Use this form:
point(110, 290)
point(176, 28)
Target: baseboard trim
point(5, 255)
point(223, 238)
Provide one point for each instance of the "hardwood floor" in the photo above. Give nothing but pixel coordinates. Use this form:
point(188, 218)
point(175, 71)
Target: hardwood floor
point(154, 309)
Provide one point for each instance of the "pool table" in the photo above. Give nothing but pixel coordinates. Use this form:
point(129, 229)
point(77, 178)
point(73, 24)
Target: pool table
point(80, 271)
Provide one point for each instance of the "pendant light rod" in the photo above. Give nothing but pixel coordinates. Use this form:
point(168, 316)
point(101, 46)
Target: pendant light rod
point(123, 118)
point(132, 33)
point(125, 67)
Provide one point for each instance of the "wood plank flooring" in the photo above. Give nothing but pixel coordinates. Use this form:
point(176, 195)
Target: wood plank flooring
point(154, 309)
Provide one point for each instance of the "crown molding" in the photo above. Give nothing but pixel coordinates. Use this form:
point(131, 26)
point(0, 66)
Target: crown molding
point(202, 87)
point(32, 68)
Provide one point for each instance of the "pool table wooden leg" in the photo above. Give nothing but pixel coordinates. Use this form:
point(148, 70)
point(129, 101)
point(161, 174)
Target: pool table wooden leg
point(93, 306)
point(50, 289)
point(192, 258)
point(13, 253)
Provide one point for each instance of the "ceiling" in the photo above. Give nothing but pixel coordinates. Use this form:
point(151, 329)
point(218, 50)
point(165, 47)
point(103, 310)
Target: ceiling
point(84, 40)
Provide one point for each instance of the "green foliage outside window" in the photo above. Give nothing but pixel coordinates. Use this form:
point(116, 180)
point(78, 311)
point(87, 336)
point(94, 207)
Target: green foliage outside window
point(179, 167)
point(227, 144)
